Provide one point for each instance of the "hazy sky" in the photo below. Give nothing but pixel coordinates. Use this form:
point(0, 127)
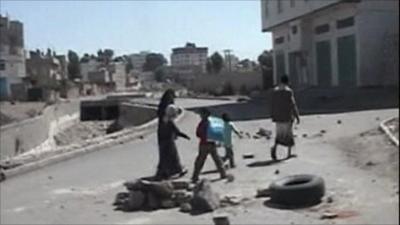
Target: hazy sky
point(132, 26)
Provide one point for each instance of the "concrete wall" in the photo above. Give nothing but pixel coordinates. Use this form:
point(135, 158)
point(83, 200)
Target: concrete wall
point(290, 9)
point(135, 115)
point(212, 82)
point(19, 137)
point(377, 25)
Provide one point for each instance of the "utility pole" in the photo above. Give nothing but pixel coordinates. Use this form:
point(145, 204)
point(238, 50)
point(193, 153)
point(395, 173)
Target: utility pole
point(227, 53)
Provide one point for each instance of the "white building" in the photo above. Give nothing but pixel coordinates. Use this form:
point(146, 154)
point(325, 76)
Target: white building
point(190, 55)
point(138, 60)
point(90, 66)
point(331, 42)
point(12, 55)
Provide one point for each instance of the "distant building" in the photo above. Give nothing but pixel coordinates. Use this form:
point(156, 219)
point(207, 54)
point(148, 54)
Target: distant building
point(92, 65)
point(45, 70)
point(189, 56)
point(12, 56)
point(138, 60)
point(331, 42)
point(119, 76)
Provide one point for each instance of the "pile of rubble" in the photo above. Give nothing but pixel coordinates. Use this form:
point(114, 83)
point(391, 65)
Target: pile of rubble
point(153, 195)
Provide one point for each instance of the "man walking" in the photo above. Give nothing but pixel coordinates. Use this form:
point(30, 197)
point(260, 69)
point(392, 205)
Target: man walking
point(284, 111)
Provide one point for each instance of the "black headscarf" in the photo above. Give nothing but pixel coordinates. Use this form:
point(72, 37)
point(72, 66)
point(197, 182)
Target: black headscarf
point(166, 99)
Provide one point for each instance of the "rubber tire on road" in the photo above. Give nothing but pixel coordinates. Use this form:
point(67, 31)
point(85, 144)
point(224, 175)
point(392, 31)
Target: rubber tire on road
point(297, 190)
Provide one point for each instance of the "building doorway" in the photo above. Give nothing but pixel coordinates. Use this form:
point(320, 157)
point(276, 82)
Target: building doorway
point(324, 63)
point(347, 62)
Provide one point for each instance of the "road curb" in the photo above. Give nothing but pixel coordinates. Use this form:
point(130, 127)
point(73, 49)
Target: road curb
point(111, 139)
point(387, 131)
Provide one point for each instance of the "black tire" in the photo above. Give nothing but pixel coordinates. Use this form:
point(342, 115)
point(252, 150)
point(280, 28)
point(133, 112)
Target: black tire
point(297, 190)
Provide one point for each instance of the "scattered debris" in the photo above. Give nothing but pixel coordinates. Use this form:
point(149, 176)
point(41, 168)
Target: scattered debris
point(185, 207)
point(248, 156)
point(50, 177)
point(204, 198)
point(373, 180)
point(261, 193)
point(304, 135)
point(256, 137)
point(264, 133)
point(221, 219)
point(276, 172)
point(323, 131)
point(328, 215)
point(329, 199)
point(339, 122)
point(370, 163)
point(230, 178)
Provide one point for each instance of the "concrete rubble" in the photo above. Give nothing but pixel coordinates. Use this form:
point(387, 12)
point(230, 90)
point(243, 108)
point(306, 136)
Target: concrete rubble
point(153, 195)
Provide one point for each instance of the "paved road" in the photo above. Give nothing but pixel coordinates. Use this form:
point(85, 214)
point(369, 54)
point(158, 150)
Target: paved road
point(81, 190)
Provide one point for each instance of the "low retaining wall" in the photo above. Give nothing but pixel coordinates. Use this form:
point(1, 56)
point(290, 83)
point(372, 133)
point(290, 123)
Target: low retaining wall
point(134, 114)
point(215, 82)
point(19, 137)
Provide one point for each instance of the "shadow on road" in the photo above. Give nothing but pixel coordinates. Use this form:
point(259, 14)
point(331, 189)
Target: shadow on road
point(264, 163)
point(273, 205)
point(314, 101)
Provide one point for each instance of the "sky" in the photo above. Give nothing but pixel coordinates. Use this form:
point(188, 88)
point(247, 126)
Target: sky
point(148, 25)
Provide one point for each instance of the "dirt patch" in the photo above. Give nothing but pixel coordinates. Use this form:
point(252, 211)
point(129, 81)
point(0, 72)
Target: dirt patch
point(82, 131)
point(19, 111)
point(371, 150)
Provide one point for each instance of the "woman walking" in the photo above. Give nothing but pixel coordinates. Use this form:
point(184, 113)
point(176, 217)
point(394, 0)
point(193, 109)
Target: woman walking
point(169, 162)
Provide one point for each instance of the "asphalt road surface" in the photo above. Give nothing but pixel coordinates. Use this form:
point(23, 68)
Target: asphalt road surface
point(81, 190)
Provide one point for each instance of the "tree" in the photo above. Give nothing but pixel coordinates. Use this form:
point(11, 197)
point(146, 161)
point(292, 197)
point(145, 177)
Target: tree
point(159, 74)
point(154, 61)
point(74, 68)
point(209, 66)
point(217, 62)
point(266, 59)
point(85, 58)
point(266, 63)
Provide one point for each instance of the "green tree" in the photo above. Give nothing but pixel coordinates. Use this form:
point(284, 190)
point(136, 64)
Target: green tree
point(74, 68)
point(159, 74)
point(209, 66)
point(217, 62)
point(154, 61)
point(266, 62)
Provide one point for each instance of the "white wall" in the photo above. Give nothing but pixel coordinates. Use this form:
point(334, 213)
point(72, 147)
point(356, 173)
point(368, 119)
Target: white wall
point(271, 17)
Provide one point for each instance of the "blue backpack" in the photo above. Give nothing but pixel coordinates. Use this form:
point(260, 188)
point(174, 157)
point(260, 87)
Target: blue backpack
point(215, 130)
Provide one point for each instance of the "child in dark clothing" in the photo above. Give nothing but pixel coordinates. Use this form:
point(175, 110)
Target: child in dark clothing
point(206, 147)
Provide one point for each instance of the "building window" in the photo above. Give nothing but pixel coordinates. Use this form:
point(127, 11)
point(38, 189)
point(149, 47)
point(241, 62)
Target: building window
point(292, 3)
point(348, 22)
point(322, 29)
point(279, 40)
point(294, 29)
point(279, 6)
point(2, 65)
